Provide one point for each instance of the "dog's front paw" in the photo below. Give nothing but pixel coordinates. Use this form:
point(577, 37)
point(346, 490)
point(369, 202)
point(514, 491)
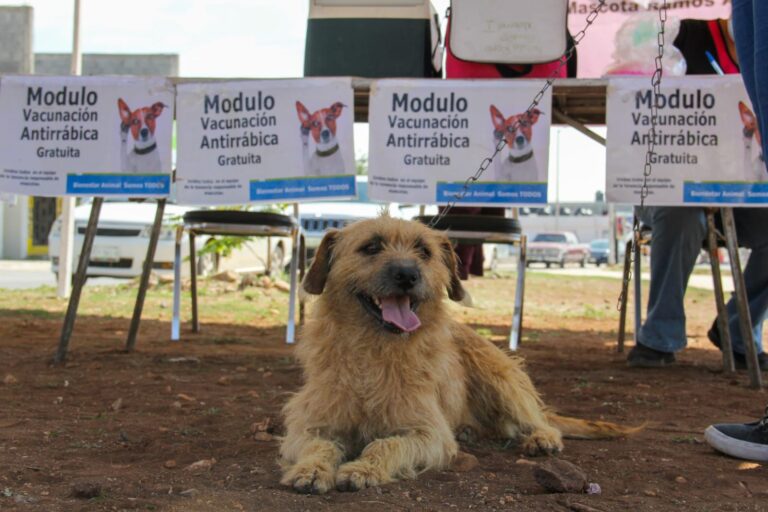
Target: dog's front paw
point(309, 479)
point(357, 475)
point(543, 442)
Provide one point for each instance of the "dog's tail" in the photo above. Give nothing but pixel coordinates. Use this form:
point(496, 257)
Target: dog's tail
point(575, 428)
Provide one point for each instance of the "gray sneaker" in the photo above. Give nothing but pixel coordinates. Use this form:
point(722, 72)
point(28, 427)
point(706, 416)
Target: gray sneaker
point(742, 440)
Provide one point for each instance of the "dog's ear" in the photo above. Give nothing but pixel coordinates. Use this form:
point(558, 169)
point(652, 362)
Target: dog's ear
point(304, 114)
point(747, 117)
point(456, 292)
point(125, 112)
point(533, 115)
point(336, 109)
point(498, 119)
point(157, 108)
point(314, 281)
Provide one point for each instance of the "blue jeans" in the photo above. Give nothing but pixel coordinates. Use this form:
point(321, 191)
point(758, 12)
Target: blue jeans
point(678, 237)
point(750, 27)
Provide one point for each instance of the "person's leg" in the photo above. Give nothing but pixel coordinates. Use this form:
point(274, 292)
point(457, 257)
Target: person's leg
point(677, 235)
point(750, 19)
point(476, 269)
point(464, 253)
point(752, 233)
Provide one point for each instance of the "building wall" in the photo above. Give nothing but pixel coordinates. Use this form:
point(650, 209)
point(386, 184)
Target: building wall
point(109, 64)
point(16, 57)
point(16, 40)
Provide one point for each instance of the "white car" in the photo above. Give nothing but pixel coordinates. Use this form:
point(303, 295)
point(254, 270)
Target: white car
point(123, 234)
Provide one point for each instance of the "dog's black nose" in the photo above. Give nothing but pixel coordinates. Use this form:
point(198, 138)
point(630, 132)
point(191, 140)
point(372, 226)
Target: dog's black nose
point(519, 140)
point(405, 275)
point(144, 133)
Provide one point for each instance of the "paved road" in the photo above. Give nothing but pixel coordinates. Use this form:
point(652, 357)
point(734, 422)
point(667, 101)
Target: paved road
point(22, 274)
point(31, 274)
point(698, 280)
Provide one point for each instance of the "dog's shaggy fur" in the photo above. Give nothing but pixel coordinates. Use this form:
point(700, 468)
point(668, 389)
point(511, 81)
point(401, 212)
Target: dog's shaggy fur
point(380, 403)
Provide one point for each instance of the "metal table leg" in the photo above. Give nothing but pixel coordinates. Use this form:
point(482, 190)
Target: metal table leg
point(638, 291)
point(517, 318)
point(79, 281)
point(193, 282)
point(722, 313)
point(624, 297)
point(176, 320)
point(742, 303)
point(146, 271)
point(290, 333)
point(302, 269)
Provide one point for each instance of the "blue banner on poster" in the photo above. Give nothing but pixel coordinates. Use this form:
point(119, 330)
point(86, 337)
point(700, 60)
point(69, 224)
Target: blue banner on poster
point(499, 193)
point(119, 184)
point(725, 193)
point(303, 188)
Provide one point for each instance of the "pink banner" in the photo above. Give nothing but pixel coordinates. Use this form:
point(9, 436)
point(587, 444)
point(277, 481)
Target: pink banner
point(596, 49)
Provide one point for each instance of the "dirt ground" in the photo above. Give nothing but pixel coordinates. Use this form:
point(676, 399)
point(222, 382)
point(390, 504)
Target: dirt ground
point(140, 431)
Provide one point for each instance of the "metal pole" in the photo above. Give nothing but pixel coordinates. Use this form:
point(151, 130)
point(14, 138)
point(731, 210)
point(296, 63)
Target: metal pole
point(740, 295)
point(290, 332)
point(193, 280)
point(557, 180)
point(624, 298)
point(176, 320)
point(80, 276)
point(722, 314)
point(146, 271)
point(638, 289)
point(516, 334)
point(613, 253)
point(66, 244)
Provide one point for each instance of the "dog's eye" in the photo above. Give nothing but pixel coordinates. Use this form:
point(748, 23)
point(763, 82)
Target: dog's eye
point(371, 248)
point(136, 121)
point(424, 251)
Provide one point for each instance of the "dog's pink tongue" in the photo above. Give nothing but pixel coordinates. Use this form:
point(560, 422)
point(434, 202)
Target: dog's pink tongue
point(397, 310)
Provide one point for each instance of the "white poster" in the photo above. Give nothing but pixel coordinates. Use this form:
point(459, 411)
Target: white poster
point(707, 150)
point(85, 136)
point(428, 136)
point(265, 141)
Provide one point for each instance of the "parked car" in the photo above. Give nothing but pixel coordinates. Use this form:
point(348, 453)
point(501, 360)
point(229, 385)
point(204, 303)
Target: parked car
point(559, 247)
point(599, 250)
point(123, 234)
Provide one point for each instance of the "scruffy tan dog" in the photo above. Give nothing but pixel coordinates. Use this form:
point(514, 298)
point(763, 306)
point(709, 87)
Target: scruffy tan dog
point(391, 375)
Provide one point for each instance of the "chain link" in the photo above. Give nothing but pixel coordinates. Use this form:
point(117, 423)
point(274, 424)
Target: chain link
point(650, 151)
point(534, 103)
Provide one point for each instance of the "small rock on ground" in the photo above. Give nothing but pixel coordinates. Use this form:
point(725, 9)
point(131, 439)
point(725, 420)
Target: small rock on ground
point(557, 475)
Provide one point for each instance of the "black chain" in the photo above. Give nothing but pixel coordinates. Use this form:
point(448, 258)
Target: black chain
point(651, 150)
point(534, 103)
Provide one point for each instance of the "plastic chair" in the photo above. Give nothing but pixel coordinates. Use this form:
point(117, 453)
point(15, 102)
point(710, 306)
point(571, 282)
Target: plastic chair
point(236, 223)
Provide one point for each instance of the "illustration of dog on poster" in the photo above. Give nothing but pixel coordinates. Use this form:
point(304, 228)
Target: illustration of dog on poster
point(138, 146)
point(326, 159)
point(754, 160)
point(518, 163)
